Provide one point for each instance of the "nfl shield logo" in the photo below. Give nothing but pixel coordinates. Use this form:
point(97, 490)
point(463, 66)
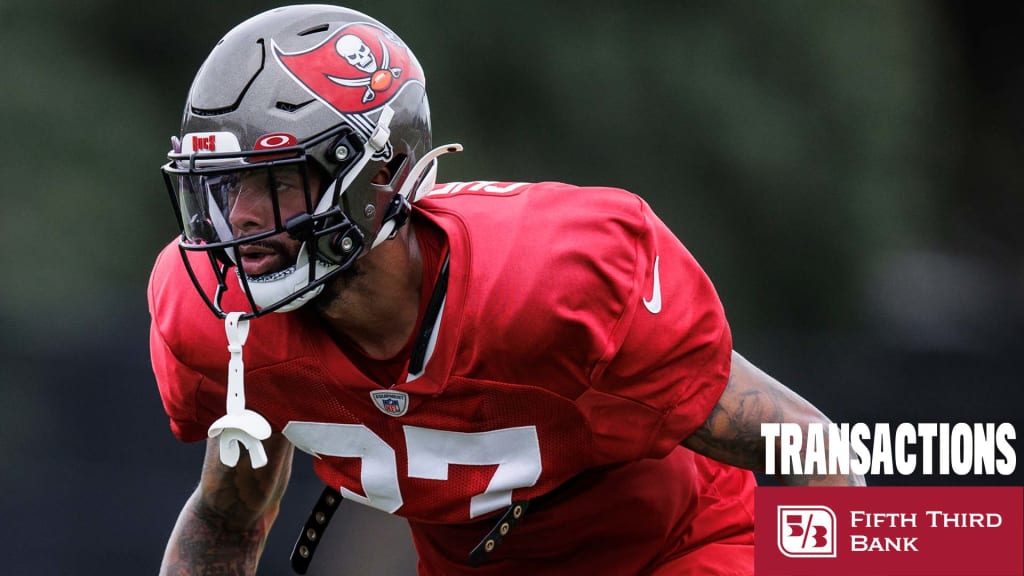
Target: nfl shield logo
point(390, 402)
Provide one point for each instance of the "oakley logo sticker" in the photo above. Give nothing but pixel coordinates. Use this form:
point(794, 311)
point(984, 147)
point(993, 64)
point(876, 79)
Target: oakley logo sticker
point(654, 304)
point(359, 68)
point(276, 140)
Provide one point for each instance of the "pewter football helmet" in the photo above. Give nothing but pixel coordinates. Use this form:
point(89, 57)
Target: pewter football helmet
point(293, 97)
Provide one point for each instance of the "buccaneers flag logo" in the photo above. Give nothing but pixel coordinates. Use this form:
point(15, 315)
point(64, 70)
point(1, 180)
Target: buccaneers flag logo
point(358, 68)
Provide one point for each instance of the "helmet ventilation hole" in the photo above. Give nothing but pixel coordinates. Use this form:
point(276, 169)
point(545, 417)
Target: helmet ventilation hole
point(290, 107)
point(315, 30)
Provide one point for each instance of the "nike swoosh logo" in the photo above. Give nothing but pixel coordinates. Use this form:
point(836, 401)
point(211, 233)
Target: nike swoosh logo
point(654, 304)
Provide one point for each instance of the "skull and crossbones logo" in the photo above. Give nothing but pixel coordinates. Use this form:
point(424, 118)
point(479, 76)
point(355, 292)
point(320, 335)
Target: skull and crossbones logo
point(379, 77)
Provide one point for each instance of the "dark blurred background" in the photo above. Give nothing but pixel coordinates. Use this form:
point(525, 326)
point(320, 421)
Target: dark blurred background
point(849, 174)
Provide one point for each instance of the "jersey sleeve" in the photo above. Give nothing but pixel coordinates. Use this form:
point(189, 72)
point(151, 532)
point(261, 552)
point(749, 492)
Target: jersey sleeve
point(189, 353)
point(179, 387)
point(670, 353)
point(183, 359)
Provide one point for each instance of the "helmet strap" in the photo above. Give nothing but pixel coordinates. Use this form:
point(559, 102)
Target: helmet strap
point(377, 142)
point(421, 174)
point(396, 216)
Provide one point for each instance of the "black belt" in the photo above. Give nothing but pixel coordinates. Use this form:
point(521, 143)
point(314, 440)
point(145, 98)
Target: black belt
point(329, 500)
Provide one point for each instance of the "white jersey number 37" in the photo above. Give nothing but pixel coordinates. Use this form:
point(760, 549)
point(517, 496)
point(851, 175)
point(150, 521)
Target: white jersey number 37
point(516, 451)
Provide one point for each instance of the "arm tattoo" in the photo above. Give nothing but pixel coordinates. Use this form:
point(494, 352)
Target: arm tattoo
point(204, 546)
point(224, 525)
point(732, 432)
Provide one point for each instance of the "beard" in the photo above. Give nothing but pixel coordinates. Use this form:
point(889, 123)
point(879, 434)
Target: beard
point(335, 288)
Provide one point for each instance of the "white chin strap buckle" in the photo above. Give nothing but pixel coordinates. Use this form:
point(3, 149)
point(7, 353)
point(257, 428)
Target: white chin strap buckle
point(239, 425)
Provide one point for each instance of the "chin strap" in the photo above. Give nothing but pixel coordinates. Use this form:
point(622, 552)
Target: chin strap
point(239, 425)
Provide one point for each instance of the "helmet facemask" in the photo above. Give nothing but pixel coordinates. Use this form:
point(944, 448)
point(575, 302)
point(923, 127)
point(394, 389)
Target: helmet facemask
point(278, 217)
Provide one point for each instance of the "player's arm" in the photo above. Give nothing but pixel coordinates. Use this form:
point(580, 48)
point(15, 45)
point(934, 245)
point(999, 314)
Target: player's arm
point(732, 432)
point(224, 524)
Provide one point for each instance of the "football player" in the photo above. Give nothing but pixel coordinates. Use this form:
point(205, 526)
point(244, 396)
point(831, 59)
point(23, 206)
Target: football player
point(538, 377)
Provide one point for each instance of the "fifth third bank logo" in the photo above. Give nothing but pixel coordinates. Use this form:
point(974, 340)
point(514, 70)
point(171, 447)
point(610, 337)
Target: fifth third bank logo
point(807, 531)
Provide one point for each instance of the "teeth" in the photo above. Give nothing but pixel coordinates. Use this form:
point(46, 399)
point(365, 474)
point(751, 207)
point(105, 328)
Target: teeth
point(271, 276)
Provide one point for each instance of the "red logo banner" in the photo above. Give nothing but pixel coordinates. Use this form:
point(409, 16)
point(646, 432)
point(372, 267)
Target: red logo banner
point(890, 531)
point(359, 68)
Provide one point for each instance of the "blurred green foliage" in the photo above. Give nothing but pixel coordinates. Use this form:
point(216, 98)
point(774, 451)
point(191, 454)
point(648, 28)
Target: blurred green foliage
point(789, 144)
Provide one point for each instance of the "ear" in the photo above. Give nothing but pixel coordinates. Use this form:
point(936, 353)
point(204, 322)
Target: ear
point(386, 175)
point(382, 177)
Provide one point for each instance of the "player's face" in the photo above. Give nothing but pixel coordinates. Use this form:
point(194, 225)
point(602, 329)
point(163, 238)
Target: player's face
point(251, 210)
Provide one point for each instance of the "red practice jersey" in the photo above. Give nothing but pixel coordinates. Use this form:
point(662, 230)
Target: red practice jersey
point(578, 344)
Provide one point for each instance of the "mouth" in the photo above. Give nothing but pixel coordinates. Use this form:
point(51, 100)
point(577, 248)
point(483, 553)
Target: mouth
point(262, 259)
